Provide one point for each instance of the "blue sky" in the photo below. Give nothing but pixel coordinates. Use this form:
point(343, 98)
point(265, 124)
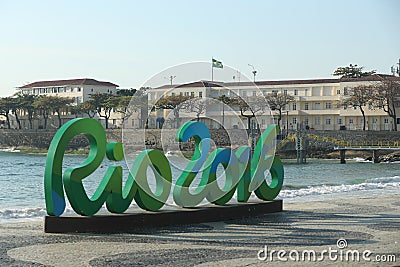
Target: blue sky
point(126, 42)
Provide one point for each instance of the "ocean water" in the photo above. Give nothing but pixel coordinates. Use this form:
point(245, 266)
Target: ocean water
point(22, 197)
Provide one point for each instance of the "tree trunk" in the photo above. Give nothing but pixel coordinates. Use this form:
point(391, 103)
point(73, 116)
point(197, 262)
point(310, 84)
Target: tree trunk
point(363, 114)
point(45, 117)
point(30, 122)
point(59, 119)
point(17, 119)
point(8, 120)
point(279, 120)
point(394, 118)
point(176, 114)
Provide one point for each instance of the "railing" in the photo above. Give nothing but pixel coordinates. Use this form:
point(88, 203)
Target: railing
point(356, 143)
point(339, 143)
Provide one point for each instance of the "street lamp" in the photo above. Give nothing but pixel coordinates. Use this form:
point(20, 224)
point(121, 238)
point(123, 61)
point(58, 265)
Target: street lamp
point(254, 72)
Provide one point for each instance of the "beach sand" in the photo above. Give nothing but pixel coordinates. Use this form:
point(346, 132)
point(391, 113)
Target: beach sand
point(369, 223)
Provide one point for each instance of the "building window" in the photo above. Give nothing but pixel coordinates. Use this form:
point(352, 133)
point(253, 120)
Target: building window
point(328, 105)
point(398, 120)
point(306, 106)
point(351, 121)
point(294, 120)
point(186, 93)
point(317, 121)
point(328, 121)
point(133, 123)
point(285, 92)
point(192, 94)
point(263, 121)
point(306, 92)
point(346, 91)
point(338, 91)
point(306, 121)
point(254, 93)
point(317, 106)
point(274, 92)
point(386, 120)
point(172, 94)
point(244, 93)
point(294, 106)
point(181, 93)
point(339, 121)
point(296, 92)
point(200, 94)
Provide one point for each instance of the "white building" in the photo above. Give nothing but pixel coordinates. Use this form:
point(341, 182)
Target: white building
point(316, 106)
point(78, 89)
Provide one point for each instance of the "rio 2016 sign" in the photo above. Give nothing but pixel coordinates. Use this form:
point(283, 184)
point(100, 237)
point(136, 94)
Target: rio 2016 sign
point(244, 173)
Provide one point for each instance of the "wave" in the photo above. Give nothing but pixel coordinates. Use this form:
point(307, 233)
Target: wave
point(357, 159)
point(25, 214)
point(386, 183)
point(290, 192)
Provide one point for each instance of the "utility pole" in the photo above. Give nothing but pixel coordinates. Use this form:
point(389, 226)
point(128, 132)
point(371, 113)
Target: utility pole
point(170, 78)
point(254, 72)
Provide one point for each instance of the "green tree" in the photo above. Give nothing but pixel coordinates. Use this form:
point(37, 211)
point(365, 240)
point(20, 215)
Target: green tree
point(360, 96)
point(174, 102)
point(127, 92)
point(57, 104)
point(352, 71)
point(5, 109)
point(41, 105)
point(86, 107)
point(27, 105)
point(197, 105)
point(104, 104)
point(17, 106)
point(225, 100)
point(248, 107)
point(387, 95)
point(278, 102)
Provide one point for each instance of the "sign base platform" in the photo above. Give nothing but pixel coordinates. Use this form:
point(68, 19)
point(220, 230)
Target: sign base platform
point(167, 217)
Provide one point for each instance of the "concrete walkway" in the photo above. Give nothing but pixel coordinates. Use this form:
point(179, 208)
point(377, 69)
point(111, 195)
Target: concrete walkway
point(363, 223)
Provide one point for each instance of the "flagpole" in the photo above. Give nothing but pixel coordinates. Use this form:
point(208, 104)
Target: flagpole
point(212, 69)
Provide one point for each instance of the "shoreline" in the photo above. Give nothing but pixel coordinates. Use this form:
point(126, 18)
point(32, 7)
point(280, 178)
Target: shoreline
point(328, 155)
point(365, 222)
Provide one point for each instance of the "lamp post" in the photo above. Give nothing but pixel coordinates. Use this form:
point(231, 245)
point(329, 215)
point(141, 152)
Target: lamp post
point(287, 122)
point(254, 72)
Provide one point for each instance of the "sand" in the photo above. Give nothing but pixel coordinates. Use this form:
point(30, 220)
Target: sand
point(367, 224)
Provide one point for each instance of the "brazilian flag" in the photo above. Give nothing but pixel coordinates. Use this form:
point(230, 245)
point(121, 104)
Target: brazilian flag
point(217, 64)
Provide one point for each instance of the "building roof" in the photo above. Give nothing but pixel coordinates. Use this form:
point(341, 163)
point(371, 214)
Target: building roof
point(84, 81)
point(192, 84)
point(374, 77)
